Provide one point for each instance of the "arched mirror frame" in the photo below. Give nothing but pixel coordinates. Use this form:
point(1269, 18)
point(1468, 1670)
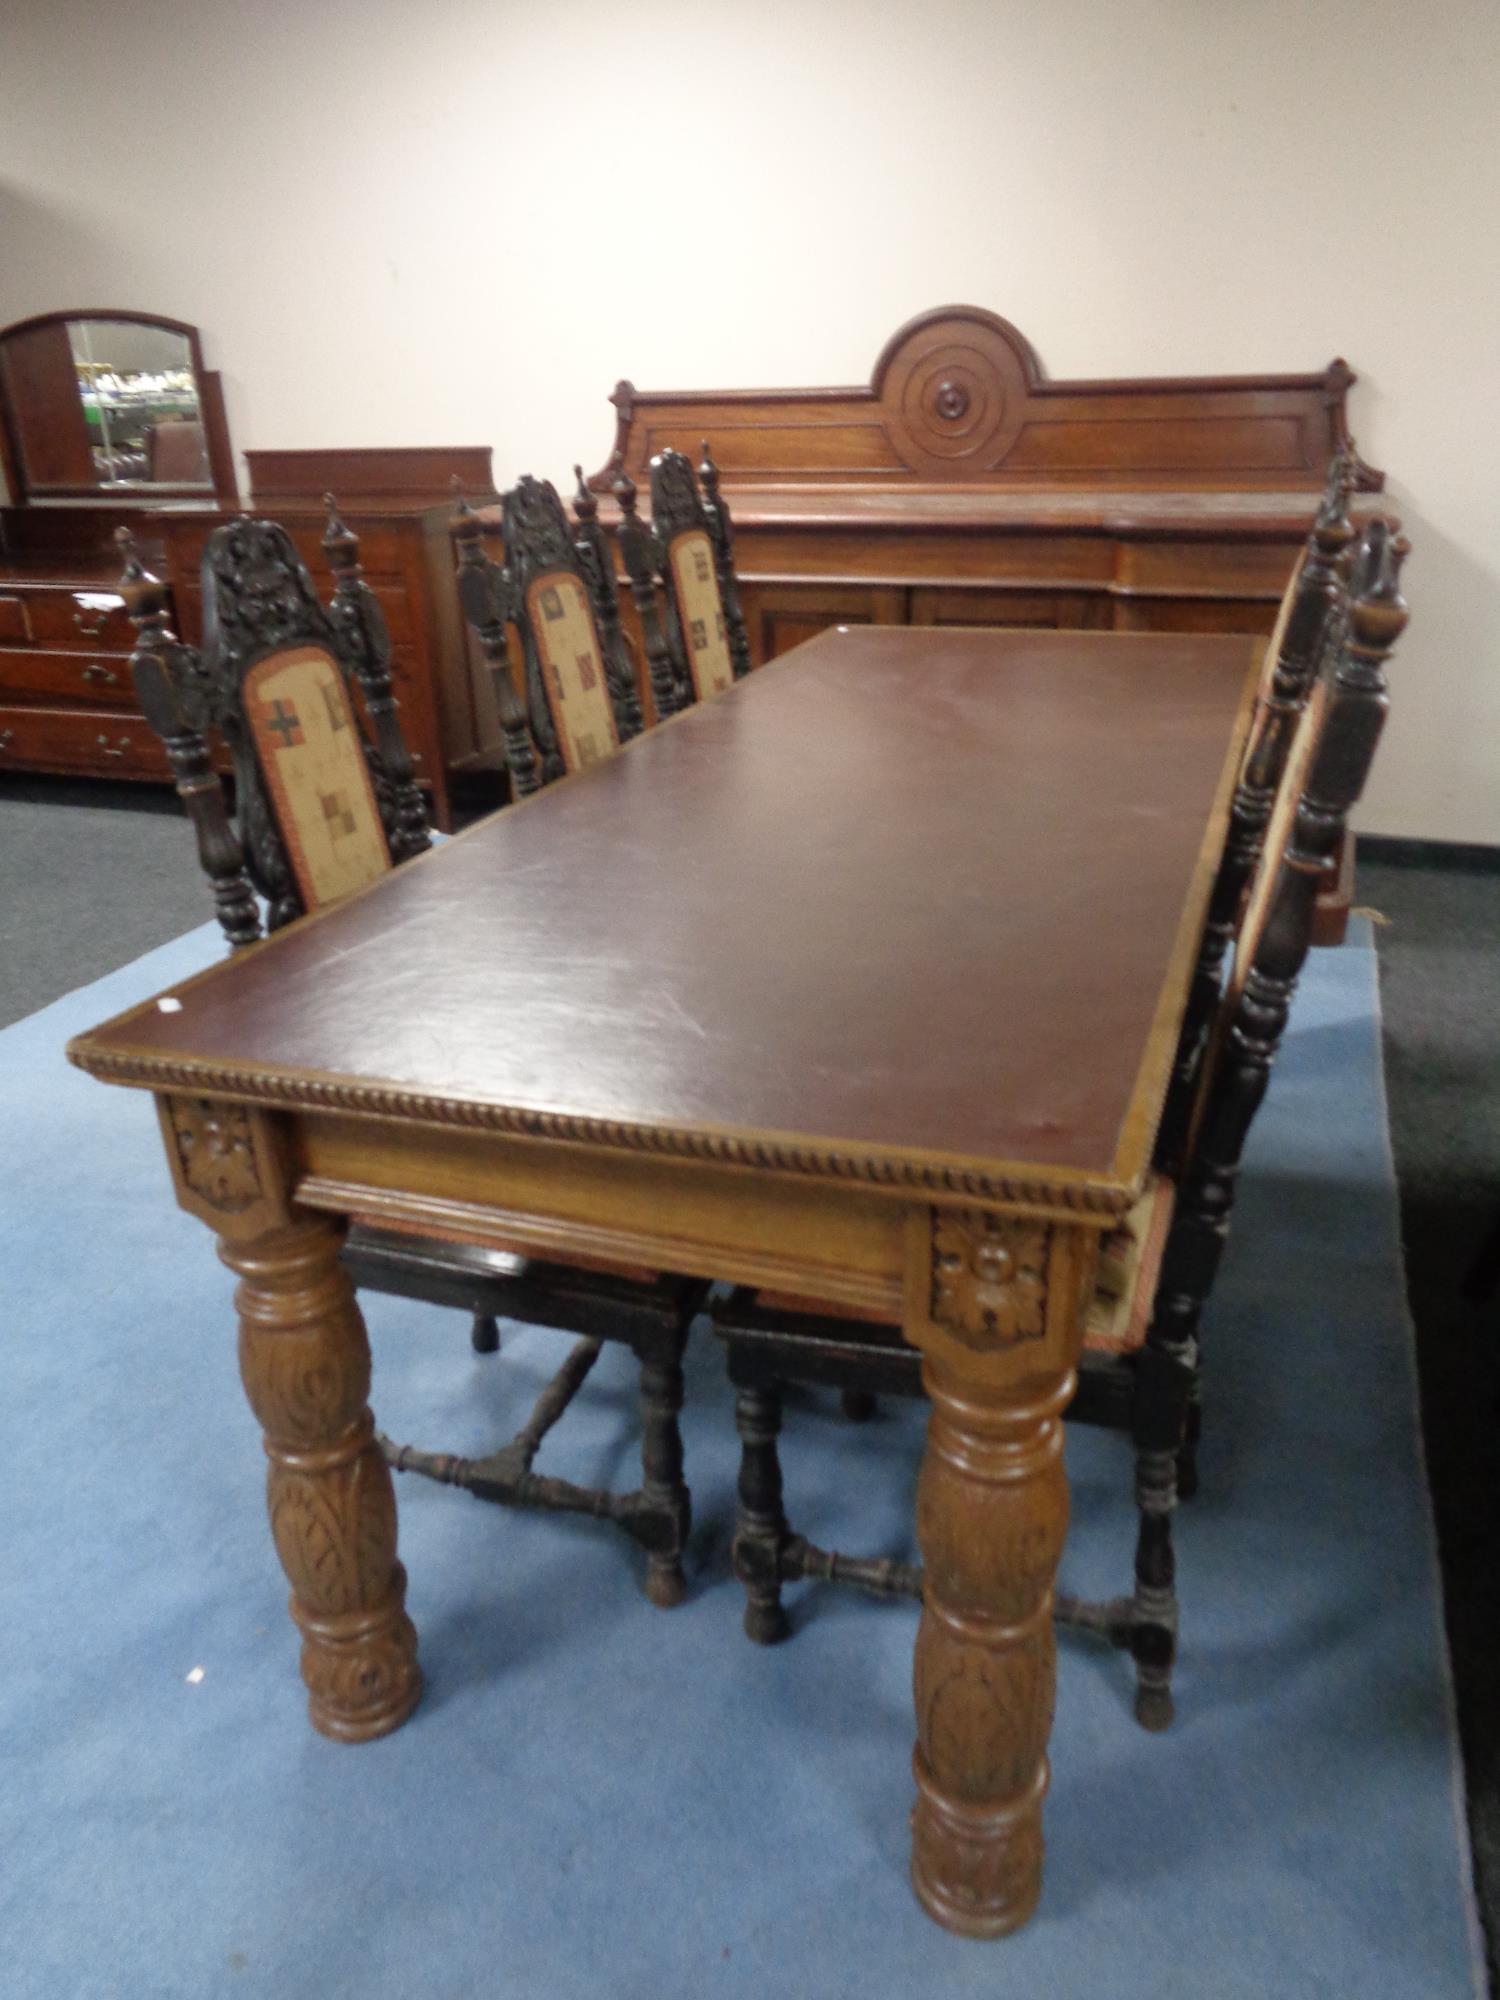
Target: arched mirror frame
point(210, 410)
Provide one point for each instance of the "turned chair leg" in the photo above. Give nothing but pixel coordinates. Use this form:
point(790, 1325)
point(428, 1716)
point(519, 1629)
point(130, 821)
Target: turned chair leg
point(858, 1405)
point(760, 1525)
point(484, 1335)
point(662, 1483)
point(1153, 1630)
point(1187, 1457)
point(1164, 1380)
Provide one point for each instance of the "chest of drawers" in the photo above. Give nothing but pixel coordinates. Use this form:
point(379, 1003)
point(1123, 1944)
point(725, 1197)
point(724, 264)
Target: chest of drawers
point(66, 700)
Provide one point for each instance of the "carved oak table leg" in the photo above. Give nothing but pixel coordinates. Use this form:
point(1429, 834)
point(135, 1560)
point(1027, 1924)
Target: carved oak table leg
point(994, 1301)
point(305, 1363)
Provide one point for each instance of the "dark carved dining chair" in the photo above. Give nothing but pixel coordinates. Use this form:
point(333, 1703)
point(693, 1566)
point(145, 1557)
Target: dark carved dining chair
point(597, 562)
point(1157, 1270)
point(672, 687)
point(556, 592)
point(325, 798)
point(680, 567)
point(694, 547)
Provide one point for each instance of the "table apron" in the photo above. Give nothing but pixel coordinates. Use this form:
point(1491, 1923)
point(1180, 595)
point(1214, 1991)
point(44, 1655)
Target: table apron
point(827, 1239)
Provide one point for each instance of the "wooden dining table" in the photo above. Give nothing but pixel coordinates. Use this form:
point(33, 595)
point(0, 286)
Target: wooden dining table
point(861, 981)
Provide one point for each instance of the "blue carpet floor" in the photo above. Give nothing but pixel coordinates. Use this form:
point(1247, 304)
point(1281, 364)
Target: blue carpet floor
point(599, 1799)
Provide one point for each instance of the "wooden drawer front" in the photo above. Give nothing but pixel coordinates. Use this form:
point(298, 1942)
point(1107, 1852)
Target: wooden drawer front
point(59, 676)
point(1068, 610)
point(914, 555)
point(93, 618)
point(63, 739)
point(1194, 614)
point(1217, 569)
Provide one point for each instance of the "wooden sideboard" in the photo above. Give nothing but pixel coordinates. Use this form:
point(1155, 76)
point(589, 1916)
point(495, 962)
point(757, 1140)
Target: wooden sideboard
point(66, 699)
point(961, 487)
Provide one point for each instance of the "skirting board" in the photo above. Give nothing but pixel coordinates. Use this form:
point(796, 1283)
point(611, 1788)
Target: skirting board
point(1467, 857)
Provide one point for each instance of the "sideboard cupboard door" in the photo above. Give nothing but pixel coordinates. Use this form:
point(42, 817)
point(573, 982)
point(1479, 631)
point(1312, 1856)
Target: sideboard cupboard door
point(781, 615)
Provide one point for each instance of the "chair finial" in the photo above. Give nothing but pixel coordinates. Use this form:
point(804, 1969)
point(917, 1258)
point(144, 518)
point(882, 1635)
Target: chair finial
point(340, 542)
point(1377, 611)
point(622, 485)
point(464, 527)
point(145, 595)
point(585, 503)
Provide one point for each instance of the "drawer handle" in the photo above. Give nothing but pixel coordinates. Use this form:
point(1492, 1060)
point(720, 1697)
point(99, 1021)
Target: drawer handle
point(7, 737)
point(111, 750)
point(105, 676)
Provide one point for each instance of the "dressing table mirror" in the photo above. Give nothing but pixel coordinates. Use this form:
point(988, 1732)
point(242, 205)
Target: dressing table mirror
point(110, 404)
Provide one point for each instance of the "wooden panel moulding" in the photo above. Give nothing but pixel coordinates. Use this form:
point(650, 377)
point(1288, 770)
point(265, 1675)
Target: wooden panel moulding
point(390, 479)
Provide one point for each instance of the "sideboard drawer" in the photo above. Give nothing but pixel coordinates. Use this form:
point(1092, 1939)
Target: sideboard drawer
point(78, 739)
point(59, 676)
point(1068, 610)
point(80, 617)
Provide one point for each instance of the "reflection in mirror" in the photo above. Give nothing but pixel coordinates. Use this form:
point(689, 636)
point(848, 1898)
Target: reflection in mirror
point(104, 402)
point(140, 402)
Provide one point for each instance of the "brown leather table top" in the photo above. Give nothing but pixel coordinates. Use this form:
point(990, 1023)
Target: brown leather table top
point(904, 890)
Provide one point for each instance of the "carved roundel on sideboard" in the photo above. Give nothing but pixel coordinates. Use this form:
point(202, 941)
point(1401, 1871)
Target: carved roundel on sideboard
point(955, 396)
